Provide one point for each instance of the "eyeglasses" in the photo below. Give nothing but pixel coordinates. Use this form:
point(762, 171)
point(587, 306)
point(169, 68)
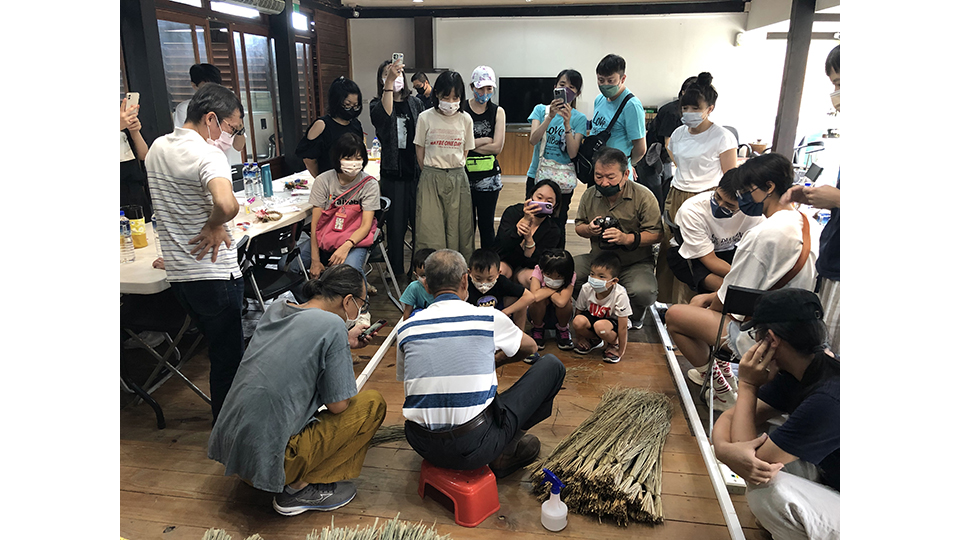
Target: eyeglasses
point(753, 333)
point(351, 106)
point(363, 307)
point(236, 131)
point(741, 193)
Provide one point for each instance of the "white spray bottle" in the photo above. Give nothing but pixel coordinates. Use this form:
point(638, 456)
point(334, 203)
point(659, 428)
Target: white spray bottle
point(553, 511)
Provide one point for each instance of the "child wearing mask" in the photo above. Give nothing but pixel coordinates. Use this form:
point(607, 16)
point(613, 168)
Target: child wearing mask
point(488, 288)
point(603, 309)
point(444, 135)
point(552, 284)
point(415, 297)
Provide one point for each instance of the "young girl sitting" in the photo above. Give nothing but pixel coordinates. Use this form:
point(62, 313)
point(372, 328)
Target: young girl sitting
point(415, 297)
point(603, 309)
point(552, 284)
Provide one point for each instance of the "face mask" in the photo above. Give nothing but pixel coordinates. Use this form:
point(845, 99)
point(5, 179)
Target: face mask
point(397, 84)
point(351, 322)
point(598, 285)
point(420, 90)
point(349, 114)
point(608, 191)
point(552, 283)
point(571, 95)
point(449, 108)
point(224, 142)
point(483, 287)
point(609, 90)
point(351, 167)
point(692, 119)
point(482, 99)
point(720, 212)
point(835, 99)
point(750, 207)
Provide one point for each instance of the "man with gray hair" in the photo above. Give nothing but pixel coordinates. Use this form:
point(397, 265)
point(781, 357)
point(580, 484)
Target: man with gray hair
point(447, 356)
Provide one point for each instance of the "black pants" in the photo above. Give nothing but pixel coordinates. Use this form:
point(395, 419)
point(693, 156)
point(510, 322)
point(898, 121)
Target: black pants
point(484, 210)
point(402, 193)
point(216, 307)
point(559, 212)
point(525, 404)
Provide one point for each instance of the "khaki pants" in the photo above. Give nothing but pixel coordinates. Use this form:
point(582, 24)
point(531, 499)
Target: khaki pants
point(793, 506)
point(445, 211)
point(333, 447)
point(670, 289)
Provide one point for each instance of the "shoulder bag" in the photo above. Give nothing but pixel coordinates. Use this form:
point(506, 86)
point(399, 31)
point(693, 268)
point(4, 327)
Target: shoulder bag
point(337, 223)
point(564, 174)
point(592, 144)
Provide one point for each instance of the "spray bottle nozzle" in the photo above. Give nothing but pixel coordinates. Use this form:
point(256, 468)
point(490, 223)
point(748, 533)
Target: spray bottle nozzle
point(555, 483)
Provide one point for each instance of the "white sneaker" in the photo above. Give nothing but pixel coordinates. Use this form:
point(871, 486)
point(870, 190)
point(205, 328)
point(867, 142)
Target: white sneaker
point(696, 374)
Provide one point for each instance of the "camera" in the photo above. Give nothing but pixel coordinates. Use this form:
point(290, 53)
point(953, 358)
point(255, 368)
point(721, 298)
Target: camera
point(607, 222)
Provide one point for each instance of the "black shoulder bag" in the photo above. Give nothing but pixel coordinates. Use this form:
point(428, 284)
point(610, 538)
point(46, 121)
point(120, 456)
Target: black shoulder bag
point(592, 144)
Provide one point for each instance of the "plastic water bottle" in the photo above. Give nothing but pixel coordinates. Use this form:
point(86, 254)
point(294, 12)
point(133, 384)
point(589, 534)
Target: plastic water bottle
point(257, 183)
point(553, 511)
point(126, 240)
point(156, 235)
point(249, 187)
point(375, 149)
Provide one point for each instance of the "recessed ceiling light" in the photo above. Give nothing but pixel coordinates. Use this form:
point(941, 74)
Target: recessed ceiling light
point(417, 1)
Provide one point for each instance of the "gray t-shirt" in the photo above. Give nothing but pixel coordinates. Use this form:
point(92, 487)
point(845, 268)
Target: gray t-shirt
point(297, 360)
point(326, 188)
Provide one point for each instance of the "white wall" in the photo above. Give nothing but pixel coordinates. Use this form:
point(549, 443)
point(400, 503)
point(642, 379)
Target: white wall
point(660, 51)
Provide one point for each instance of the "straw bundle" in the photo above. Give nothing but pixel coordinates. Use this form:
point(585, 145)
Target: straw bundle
point(612, 463)
point(388, 434)
point(391, 530)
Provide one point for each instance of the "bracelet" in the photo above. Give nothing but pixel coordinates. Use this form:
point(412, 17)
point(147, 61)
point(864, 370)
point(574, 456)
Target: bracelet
point(533, 245)
point(351, 241)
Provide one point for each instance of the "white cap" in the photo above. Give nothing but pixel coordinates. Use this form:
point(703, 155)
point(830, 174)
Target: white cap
point(483, 76)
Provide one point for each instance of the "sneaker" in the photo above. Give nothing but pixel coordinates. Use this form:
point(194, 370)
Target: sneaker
point(634, 325)
point(537, 335)
point(696, 374)
point(724, 396)
point(323, 497)
point(564, 343)
point(528, 448)
point(532, 359)
point(610, 356)
point(593, 345)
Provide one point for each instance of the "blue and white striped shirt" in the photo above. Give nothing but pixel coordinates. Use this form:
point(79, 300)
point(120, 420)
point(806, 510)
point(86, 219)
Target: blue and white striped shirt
point(445, 358)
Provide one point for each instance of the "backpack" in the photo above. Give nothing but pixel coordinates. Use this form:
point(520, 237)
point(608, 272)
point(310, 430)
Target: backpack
point(592, 144)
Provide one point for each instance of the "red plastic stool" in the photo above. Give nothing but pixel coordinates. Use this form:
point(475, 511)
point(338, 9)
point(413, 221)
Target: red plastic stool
point(474, 493)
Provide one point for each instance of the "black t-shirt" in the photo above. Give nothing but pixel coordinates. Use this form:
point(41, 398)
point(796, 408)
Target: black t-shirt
point(504, 288)
point(663, 125)
point(812, 431)
point(508, 242)
point(828, 262)
point(319, 148)
point(407, 152)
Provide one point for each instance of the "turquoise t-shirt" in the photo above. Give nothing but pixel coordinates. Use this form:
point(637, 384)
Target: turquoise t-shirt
point(415, 295)
point(630, 126)
point(556, 140)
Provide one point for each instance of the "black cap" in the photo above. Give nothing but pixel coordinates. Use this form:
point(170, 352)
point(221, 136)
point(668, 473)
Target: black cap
point(785, 305)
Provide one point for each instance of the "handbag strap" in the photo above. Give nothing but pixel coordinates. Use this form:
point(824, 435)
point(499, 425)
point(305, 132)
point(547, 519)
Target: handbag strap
point(619, 110)
point(804, 253)
point(347, 192)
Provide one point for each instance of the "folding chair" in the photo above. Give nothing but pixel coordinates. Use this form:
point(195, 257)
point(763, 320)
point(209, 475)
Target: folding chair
point(738, 301)
point(274, 248)
point(377, 255)
point(162, 313)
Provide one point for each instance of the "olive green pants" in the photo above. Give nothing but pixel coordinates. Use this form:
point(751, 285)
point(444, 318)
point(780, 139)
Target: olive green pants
point(445, 211)
point(333, 447)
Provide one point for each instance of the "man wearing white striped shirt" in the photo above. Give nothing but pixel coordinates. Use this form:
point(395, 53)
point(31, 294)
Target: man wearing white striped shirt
point(193, 199)
point(447, 356)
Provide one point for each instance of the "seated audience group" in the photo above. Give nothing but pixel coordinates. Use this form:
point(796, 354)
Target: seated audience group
point(717, 225)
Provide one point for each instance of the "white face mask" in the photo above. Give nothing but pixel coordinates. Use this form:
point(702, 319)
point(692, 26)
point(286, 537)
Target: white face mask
point(483, 287)
point(692, 119)
point(351, 322)
point(397, 84)
point(224, 142)
point(835, 99)
point(598, 285)
point(449, 108)
point(351, 167)
point(552, 283)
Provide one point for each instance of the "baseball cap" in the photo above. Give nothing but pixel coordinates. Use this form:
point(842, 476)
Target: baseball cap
point(483, 76)
point(785, 305)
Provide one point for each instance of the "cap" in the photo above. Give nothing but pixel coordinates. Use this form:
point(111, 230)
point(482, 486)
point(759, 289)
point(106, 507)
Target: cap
point(483, 76)
point(785, 305)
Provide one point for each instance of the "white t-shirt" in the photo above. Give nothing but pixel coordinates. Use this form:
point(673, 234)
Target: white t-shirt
point(444, 138)
point(179, 167)
point(768, 251)
point(180, 116)
point(616, 304)
point(698, 157)
point(703, 233)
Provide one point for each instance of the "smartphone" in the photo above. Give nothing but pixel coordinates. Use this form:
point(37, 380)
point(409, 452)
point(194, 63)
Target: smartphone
point(813, 172)
point(559, 93)
point(133, 99)
point(373, 328)
point(398, 56)
point(545, 207)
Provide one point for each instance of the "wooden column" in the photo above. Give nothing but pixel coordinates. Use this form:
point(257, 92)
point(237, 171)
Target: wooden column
point(144, 63)
point(281, 29)
point(794, 68)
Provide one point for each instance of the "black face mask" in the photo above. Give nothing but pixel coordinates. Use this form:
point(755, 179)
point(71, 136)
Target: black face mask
point(608, 191)
point(347, 114)
point(420, 90)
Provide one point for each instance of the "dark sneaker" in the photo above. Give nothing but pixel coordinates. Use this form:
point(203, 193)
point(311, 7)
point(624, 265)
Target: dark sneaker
point(323, 497)
point(532, 359)
point(611, 356)
point(564, 343)
point(537, 335)
point(528, 448)
point(592, 345)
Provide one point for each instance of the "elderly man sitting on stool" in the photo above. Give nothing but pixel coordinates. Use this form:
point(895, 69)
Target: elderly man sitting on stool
point(447, 356)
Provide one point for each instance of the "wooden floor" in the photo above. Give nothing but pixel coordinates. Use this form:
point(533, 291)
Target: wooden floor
point(170, 490)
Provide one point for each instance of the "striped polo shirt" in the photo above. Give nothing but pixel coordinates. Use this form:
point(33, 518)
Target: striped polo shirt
point(179, 166)
point(445, 358)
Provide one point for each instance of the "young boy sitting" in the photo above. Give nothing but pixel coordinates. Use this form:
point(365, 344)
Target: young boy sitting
point(488, 288)
point(603, 308)
point(415, 296)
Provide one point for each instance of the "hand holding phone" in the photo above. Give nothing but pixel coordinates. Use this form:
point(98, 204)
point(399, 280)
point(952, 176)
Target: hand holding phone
point(133, 99)
point(398, 56)
point(546, 208)
point(559, 93)
point(373, 328)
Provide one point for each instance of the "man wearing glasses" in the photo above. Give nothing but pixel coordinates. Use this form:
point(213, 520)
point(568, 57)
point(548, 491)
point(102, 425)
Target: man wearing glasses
point(193, 200)
point(201, 74)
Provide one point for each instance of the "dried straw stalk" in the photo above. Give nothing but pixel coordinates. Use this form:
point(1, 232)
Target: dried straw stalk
point(391, 530)
point(612, 463)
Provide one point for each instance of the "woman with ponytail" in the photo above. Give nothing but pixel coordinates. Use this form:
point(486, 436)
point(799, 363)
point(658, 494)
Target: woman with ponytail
point(793, 474)
point(344, 105)
point(269, 432)
point(702, 151)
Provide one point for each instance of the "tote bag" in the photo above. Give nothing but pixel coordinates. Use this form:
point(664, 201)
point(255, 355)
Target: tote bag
point(563, 174)
point(337, 223)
